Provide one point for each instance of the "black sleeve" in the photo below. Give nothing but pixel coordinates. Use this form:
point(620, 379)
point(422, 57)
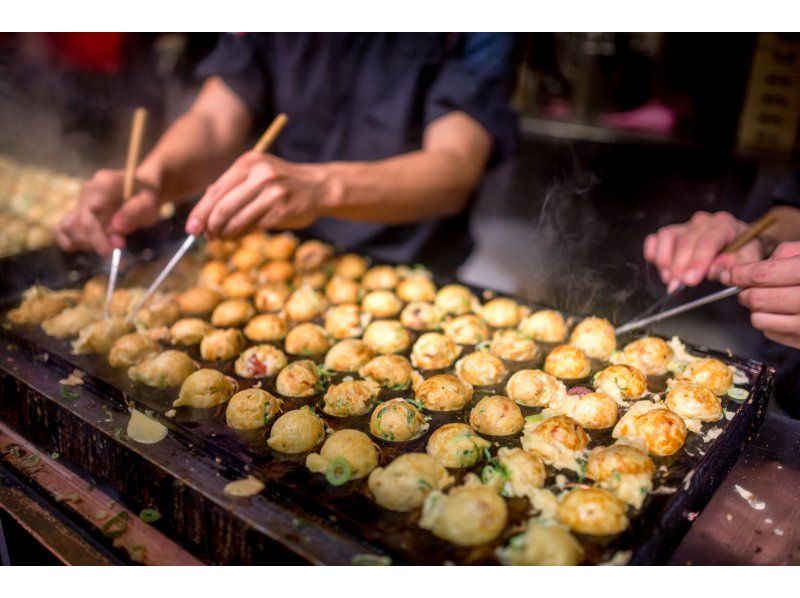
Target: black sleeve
point(240, 61)
point(788, 192)
point(477, 80)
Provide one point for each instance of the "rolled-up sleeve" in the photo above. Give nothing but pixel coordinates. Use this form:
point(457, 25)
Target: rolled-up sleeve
point(237, 61)
point(477, 80)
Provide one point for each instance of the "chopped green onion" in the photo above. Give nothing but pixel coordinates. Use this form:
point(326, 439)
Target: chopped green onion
point(738, 394)
point(69, 394)
point(338, 471)
point(116, 526)
point(536, 417)
point(136, 553)
point(581, 469)
point(370, 560)
point(149, 515)
point(424, 485)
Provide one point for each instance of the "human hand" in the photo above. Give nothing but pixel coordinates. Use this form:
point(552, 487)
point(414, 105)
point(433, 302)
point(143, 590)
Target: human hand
point(689, 252)
point(100, 221)
point(772, 293)
point(261, 191)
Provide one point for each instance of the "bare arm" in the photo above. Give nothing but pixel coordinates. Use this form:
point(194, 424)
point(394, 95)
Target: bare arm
point(267, 192)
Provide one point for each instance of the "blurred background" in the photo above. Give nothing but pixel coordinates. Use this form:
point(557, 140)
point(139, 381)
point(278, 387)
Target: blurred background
point(619, 134)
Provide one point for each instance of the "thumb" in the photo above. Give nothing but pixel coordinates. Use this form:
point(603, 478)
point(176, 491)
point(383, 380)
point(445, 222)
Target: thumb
point(786, 250)
point(139, 211)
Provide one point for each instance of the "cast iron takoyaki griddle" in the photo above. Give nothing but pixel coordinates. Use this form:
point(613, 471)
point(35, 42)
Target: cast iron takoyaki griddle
point(687, 480)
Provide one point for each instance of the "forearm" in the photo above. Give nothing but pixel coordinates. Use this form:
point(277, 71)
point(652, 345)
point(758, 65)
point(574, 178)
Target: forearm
point(406, 188)
point(198, 146)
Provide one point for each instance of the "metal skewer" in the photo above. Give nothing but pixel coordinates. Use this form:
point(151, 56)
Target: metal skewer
point(747, 235)
point(134, 145)
point(641, 323)
point(262, 145)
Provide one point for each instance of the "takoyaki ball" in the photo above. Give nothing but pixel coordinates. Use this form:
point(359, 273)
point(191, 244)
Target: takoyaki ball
point(222, 345)
point(468, 329)
point(251, 409)
point(416, 287)
point(387, 336)
point(466, 516)
point(595, 336)
point(481, 368)
point(519, 472)
point(69, 322)
point(348, 355)
point(650, 355)
point(260, 361)
point(390, 371)
point(280, 247)
point(220, 249)
point(593, 411)
point(350, 265)
point(455, 299)
point(312, 255)
point(535, 388)
point(130, 349)
point(694, 403)
point(232, 312)
point(297, 431)
point(247, 258)
point(188, 331)
point(397, 420)
point(278, 271)
point(381, 304)
point(622, 382)
point(342, 290)
point(351, 398)
point(307, 339)
point(711, 373)
point(593, 511)
point(238, 285)
point(38, 236)
point(271, 297)
point(421, 316)
point(567, 362)
point(496, 415)
point(95, 289)
point(560, 440)
point(345, 321)
point(441, 392)
point(380, 277)
point(123, 300)
point(403, 485)
point(212, 274)
point(542, 544)
point(160, 310)
point(316, 279)
point(502, 312)
point(38, 307)
point(513, 345)
point(266, 328)
point(166, 370)
point(346, 455)
point(198, 301)
point(204, 389)
point(663, 431)
point(299, 379)
point(456, 445)
point(545, 325)
point(624, 470)
point(257, 241)
point(305, 304)
point(434, 351)
point(99, 336)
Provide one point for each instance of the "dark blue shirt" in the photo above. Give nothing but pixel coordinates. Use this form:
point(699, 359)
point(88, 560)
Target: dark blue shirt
point(358, 96)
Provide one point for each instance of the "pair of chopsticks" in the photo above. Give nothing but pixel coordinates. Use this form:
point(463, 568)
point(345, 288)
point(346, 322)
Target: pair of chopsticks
point(263, 144)
point(645, 318)
point(134, 147)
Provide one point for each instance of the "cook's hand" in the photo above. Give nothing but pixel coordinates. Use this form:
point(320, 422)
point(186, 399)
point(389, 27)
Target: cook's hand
point(772, 293)
point(687, 253)
point(261, 191)
point(100, 221)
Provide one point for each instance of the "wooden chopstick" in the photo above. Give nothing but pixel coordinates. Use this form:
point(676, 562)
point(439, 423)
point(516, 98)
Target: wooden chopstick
point(134, 146)
point(752, 231)
point(272, 132)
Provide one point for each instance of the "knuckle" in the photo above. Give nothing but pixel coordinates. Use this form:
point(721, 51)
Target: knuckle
point(761, 272)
